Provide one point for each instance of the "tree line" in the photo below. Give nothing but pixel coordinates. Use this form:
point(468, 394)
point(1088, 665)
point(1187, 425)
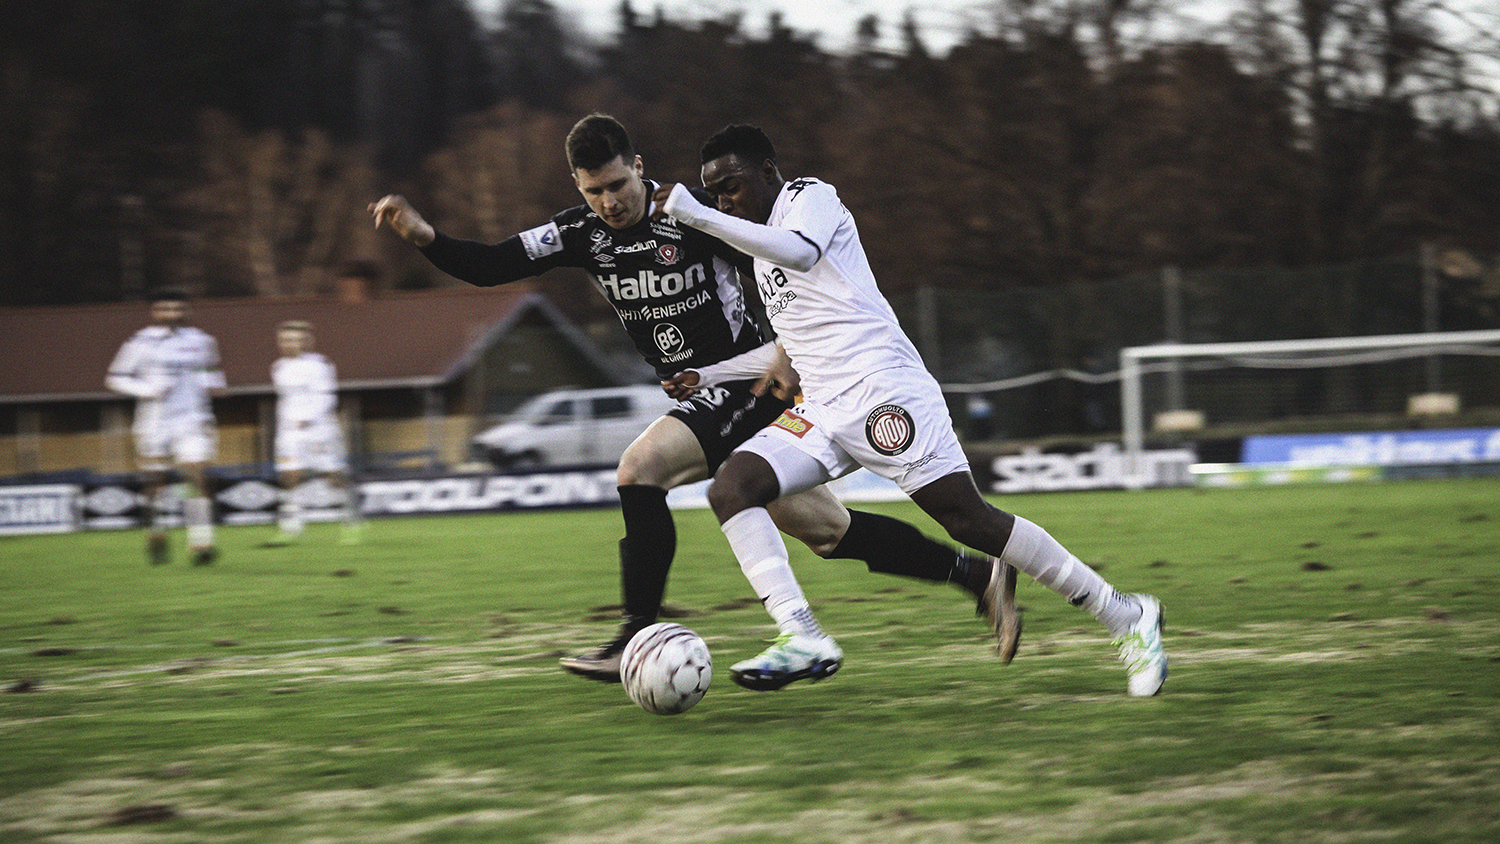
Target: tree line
point(231, 147)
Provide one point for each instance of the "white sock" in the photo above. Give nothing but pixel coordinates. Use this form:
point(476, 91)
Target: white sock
point(1035, 552)
point(351, 506)
point(197, 512)
point(757, 544)
point(290, 521)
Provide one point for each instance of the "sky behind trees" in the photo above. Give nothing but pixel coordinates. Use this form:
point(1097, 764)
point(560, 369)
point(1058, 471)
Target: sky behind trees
point(231, 147)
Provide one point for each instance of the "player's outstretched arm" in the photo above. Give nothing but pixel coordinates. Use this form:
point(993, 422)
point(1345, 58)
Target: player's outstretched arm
point(779, 246)
point(779, 378)
point(393, 210)
point(123, 375)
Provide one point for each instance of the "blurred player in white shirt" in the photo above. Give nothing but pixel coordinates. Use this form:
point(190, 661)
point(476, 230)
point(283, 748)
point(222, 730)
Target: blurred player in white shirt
point(309, 440)
point(869, 401)
point(171, 368)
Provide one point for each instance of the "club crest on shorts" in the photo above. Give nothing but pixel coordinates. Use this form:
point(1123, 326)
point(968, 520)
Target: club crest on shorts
point(889, 429)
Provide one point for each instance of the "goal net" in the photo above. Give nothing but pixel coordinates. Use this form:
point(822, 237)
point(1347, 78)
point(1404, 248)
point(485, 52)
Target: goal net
point(1266, 385)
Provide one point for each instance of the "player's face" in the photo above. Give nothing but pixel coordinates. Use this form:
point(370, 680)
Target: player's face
point(615, 191)
point(292, 343)
point(169, 312)
point(741, 189)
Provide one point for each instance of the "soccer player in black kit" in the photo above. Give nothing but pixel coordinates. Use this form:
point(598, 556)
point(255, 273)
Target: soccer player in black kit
point(677, 293)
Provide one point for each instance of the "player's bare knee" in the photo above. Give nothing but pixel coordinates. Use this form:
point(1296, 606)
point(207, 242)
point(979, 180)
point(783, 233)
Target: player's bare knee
point(819, 540)
point(727, 498)
point(744, 481)
point(987, 529)
point(639, 466)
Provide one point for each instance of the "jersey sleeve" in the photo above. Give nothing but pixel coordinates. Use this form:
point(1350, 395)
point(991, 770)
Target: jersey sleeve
point(814, 211)
point(327, 384)
point(751, 364)
point(124, 374)
point(519, 256)
point(771, 243)
point(213, 372)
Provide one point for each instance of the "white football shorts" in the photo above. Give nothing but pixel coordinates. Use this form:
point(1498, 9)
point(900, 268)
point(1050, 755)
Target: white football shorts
point(164, 442)
point(894, 423)
point(318, 447)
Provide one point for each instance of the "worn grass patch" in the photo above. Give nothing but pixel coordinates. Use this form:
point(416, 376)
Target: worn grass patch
point(407, 690)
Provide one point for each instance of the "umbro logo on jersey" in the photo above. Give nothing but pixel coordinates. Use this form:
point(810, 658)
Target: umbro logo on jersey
point(889, 429)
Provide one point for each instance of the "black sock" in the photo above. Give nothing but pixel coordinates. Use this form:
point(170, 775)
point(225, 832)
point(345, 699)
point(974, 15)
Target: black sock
point(892, 546)
point(646, 552)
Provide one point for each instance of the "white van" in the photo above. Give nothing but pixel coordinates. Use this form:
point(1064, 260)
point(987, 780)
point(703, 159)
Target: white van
point(571, 427)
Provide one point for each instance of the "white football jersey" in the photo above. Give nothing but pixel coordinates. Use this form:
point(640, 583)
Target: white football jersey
point(832, 319)
point(170, 372)
point(306, 388)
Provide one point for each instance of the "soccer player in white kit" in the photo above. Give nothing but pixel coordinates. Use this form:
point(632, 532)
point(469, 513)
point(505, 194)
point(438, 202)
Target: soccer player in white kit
point(868, 401)
point(170, 367)
point(309, 441)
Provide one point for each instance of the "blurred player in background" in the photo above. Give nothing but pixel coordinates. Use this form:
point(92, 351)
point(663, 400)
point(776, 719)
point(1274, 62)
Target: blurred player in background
point(171, 368)
point(677, 294)
point(309, 440)
point(869, 401)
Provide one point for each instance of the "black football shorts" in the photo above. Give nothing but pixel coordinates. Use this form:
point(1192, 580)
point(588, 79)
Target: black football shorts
point(725, 415)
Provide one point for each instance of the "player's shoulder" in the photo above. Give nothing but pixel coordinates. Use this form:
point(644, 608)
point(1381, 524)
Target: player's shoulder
point(150, 333)
point(808, 186)
point(568, 229)
point(575, 217)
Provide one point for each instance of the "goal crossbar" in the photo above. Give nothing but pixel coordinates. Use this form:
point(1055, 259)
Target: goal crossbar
point(1131, 366)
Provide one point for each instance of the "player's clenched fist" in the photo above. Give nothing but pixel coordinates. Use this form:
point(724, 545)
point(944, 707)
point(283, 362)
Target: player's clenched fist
point(393, 210)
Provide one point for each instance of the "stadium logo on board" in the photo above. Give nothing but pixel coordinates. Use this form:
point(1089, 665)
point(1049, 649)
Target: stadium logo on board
point(667, 254)
point(889, 429)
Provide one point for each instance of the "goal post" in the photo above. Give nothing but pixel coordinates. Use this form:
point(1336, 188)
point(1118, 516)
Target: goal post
point(1176, 359)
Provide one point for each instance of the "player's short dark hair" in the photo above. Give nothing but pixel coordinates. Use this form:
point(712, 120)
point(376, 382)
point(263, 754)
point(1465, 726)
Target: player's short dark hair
point(167, 294)
point(597, 140)
point(747, 142)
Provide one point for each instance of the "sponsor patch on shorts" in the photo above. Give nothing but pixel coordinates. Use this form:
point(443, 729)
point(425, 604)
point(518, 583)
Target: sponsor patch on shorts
point(792, 424)
point(889, 429)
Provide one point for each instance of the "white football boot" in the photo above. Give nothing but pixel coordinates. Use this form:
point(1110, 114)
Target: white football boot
point(1142, 652)
point(792, 657)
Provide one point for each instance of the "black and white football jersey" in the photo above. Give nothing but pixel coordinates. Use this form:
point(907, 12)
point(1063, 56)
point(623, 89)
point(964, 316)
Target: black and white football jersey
point(674, 288)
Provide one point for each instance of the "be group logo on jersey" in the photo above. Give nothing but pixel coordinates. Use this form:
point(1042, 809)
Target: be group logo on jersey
point(889, 429)
point(668, 338)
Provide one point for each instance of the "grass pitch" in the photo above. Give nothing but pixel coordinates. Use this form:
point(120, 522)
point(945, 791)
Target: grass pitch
point(1335, 677)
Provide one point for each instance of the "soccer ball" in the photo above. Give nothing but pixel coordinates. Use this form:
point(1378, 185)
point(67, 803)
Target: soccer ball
point(666, 668)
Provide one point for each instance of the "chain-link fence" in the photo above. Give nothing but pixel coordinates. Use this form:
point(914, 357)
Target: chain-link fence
point(1038, 362)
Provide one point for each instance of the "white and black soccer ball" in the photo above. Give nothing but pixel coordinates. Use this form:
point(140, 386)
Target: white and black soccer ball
point(666, 668)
